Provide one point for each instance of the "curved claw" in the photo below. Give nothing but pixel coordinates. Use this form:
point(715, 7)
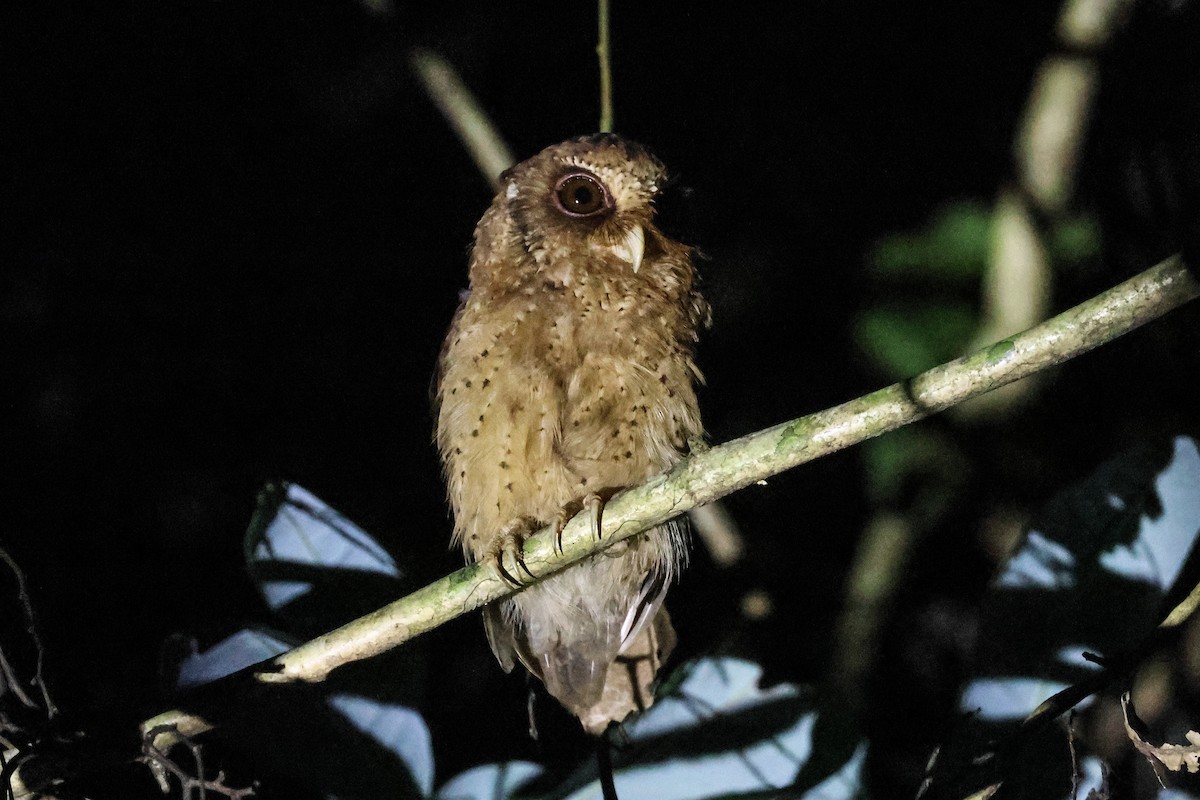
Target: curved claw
point(508, 577)
point(505, 575)
point(508, 542)
point(560, 522)
point(521, 564)
point(593, 503)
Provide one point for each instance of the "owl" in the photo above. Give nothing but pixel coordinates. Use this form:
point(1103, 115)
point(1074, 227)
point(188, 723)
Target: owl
point(567, 374)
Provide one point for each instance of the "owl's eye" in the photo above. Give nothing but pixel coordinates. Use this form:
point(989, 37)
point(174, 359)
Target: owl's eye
point(581, 195)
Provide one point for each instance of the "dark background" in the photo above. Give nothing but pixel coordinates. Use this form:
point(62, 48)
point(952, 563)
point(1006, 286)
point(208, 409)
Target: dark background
point(237, 231)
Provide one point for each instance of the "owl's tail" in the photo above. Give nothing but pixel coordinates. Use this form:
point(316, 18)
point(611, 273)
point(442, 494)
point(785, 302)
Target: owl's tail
point(600, 662)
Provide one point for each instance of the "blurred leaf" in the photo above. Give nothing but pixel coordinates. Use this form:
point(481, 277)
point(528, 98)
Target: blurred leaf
point(1091, 778)
point(396, 729)
point(1075, 240)
point(489, 782)
point(246, 647)
point(1171, 793)
point(401, 730)
point(347, 737)
point(906, 341)
point(894, 461)
point(954, 246)
point(311, 564)
point(1091, 575)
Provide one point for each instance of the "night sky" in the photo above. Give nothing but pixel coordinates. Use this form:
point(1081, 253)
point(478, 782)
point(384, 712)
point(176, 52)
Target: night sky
point(237, 233)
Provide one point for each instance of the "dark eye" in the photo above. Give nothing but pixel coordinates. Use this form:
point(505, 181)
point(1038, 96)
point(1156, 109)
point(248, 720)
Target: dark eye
point(581, 195)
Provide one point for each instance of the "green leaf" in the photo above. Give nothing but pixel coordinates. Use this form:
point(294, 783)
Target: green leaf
point(894, 460)
point(953, 246)
point(906, 341)
point(1075, 240)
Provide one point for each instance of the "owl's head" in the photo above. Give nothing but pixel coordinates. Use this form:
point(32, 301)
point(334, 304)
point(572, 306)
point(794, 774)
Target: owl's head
point(585, 203)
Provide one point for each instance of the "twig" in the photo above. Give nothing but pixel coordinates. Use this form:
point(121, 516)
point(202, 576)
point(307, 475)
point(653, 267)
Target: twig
point(462, 111)
point(735, 465)
point(718, 531)
point(604, 765)
point(1114, 669)
point(13, 682)
point(160, 763)
point(31, 624)
point(727, 468)
point(1075, 771)
point(605, 56)
point(879, 563)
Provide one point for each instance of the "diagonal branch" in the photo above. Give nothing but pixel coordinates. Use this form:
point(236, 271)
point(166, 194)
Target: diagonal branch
point(718, 471)
point(460, 108)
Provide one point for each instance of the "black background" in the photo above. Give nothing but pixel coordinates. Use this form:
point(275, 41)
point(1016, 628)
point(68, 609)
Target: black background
point(237, 231)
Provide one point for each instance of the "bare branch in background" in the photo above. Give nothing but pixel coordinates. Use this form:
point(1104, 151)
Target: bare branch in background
point(473, 127)
point(31, 625)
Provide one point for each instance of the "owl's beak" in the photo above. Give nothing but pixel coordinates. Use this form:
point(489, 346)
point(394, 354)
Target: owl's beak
point(631, 248)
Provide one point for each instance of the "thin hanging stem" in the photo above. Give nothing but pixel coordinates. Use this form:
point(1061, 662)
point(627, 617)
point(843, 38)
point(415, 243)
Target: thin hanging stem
point(602, 51)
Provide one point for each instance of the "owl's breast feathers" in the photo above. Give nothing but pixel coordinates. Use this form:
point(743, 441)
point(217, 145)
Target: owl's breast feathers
point(550, 392)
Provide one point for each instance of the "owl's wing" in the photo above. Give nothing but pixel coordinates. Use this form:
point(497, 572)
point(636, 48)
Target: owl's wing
point(645, 606)
point(435, 383)
point(500, 638)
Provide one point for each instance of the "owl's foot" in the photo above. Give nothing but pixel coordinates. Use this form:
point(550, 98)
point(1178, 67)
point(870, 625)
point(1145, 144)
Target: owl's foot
point(508, 542)
point(594, 503)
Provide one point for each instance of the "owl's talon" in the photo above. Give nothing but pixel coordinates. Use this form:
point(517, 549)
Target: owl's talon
point(509, 542)
point(593, 503)
point(506, 576)
point(560, 522)
point(521, 564)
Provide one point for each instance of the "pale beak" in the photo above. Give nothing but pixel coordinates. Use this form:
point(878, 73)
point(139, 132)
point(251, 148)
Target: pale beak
point(631, 248)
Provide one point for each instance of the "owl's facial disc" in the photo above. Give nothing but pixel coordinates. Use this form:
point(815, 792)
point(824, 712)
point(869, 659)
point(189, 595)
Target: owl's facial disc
point(580, 195)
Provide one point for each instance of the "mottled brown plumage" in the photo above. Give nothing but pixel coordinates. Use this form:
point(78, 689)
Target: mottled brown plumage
point(568, 371)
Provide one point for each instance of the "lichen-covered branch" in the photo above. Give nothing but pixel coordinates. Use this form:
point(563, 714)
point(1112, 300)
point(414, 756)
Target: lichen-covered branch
point(720, 470)
point(723, 469)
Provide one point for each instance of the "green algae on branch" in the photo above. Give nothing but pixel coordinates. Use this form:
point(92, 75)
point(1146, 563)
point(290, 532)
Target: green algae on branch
point(795, 434)
point(1000, 350)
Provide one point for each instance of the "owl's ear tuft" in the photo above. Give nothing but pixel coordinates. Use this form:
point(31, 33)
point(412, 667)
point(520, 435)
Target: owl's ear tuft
point(632, 150)
point(606, 138)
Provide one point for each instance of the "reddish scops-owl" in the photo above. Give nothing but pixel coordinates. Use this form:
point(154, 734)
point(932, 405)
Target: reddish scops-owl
point(568, 373)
